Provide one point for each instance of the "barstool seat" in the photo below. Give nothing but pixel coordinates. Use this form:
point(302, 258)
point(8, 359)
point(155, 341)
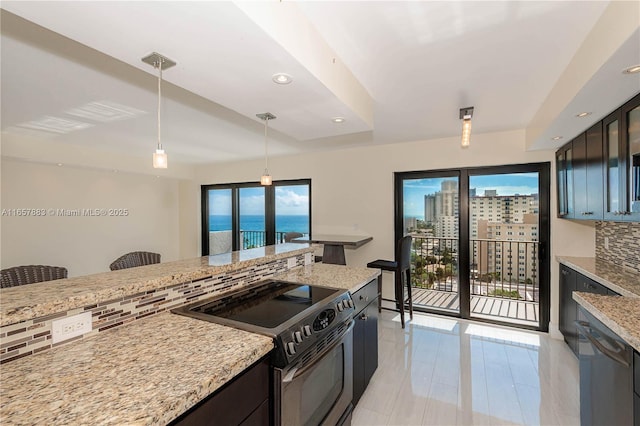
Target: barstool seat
point(402, 270)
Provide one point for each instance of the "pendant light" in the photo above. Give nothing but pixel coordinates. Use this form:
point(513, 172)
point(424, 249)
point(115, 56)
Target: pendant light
point(159, 62)
point(465, 116)
point(266, 180)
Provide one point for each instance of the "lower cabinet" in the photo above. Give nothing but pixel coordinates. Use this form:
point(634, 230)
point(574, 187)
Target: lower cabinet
point(365, 338)
point(571, 281)
point(636, 389)
point(243, 401)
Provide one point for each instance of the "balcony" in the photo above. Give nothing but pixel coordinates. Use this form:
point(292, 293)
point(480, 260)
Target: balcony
point(503, 278)
point(220, 241)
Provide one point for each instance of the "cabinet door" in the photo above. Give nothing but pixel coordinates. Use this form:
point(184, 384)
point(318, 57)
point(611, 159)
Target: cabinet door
point(579, 150)
point(370, 341)
point(587, 285)
point(614, 203)
point(358, 357)
point(595, 172)
point(561, 179)
point(564, 163)
point(631, 142)
point(568, 307)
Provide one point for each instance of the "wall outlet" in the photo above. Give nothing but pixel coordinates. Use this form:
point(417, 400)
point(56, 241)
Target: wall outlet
point(606, 243)
point(66, 328)
point(291, 262)
point(307, 259)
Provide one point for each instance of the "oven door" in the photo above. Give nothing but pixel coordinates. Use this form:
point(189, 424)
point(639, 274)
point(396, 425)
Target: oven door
point(317, 391)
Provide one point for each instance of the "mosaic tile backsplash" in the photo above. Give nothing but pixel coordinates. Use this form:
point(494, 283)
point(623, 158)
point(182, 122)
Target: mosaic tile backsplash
point(623, 245)
point(32, 336)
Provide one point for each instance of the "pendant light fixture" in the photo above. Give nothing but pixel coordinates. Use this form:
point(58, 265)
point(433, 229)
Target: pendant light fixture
point(266, 180)
point(465, 116)
point(161, 63)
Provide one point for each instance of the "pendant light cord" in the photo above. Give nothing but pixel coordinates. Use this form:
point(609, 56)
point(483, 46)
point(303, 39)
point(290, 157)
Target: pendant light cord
point(266, 145)
point(159, 65)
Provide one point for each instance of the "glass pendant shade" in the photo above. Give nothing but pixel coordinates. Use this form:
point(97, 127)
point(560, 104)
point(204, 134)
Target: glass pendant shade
point(466, 132)
point(160, 160)
point(266, 180)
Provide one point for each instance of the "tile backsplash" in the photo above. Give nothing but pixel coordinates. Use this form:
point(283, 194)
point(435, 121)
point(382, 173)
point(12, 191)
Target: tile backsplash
point(619, 243)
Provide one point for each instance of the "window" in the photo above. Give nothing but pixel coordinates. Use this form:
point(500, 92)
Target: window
point(247, 215)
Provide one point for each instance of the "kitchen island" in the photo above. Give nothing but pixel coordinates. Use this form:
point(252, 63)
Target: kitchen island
point(146, 373)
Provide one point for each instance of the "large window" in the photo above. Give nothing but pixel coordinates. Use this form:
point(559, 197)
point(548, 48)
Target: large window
point(242, 216)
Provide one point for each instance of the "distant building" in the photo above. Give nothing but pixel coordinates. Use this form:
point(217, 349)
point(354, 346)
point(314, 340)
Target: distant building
point(410, 223)
point(430, 209)
point(500, 209)
point(446, 210)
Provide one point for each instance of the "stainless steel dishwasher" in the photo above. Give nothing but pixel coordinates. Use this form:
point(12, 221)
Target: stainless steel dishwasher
point(606, 374)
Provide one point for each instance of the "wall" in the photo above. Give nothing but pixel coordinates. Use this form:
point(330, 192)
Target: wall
point(352, 190)
point(85, 244)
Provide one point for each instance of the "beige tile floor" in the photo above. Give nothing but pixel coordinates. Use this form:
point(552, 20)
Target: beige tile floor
point(443, 371)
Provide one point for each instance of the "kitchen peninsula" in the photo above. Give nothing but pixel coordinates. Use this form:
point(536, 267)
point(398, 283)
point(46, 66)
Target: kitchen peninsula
point(153, 369)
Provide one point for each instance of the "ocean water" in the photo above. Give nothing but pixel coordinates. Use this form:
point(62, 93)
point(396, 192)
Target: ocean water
point(284, 223)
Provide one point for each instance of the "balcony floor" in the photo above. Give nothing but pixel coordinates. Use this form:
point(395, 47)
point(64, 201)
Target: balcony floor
point(487, 307)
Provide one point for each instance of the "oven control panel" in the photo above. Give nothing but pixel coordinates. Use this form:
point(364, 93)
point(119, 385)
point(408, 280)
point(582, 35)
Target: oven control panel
point(302, 336)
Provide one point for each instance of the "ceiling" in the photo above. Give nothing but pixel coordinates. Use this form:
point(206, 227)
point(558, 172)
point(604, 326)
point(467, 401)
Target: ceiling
point(396, 71)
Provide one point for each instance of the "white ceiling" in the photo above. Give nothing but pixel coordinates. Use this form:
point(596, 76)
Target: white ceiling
point(414, 65)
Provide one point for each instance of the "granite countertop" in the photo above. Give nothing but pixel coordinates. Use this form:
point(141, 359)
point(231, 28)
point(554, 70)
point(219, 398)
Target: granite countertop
point(36, 300)
point(615, 277)
point(146, 373)
point(620, 314)
point(327, 275)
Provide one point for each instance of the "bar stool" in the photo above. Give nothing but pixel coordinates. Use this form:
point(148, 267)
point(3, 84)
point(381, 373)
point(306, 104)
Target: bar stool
point(402, 269)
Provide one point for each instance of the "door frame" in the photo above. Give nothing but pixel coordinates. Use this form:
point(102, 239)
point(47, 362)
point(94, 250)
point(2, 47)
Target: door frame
point(544, 224)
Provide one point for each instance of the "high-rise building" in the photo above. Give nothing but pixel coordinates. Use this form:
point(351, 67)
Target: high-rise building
point(500, 209)
point(446, 210)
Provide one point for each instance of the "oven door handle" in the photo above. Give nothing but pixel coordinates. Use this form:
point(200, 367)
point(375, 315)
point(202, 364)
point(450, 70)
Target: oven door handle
point(296, 371)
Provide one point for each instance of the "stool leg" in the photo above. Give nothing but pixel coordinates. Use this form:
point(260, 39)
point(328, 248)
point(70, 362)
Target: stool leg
point(409, 293)
point(380, 292)
point(399, 295)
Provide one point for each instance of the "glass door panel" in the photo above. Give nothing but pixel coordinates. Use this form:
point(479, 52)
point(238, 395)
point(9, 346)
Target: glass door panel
point(504, 245)
point(431, 217)
point(613, 172)
point(220, 221)
point(633, 135)
point(292, 212)
point(252, 217)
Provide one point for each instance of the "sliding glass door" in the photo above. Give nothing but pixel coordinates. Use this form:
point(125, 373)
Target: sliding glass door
point(479, 241)
point(431, 215)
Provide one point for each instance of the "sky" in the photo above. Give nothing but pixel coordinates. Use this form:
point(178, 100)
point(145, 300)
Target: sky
point(290, 200)
point(504, 184)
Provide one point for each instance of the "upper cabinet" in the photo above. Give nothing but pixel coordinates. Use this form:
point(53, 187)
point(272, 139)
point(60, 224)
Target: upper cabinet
point(622, 178)
point(598, 172)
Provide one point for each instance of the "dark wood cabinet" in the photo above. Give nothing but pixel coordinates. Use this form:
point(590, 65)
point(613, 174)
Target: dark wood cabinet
point(598, 172)
point(636, 389)
point(571, 281)
point(243, 401)
point(588, 175)
point(568, 307)
point(365, 338)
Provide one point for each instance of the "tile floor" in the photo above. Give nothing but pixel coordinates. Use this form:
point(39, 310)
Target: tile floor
point(444, 371)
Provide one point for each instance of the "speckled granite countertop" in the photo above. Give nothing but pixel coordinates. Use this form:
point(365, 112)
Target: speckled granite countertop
point(147, 373)
point(37, 300)
point(618, 279)
point(327, 275)
point(620, 314)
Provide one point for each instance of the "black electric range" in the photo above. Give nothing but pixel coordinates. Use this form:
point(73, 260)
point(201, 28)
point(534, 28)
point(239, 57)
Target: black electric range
point(296, 315)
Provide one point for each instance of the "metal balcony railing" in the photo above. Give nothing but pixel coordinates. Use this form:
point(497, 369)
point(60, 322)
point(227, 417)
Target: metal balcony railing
point(498, 268)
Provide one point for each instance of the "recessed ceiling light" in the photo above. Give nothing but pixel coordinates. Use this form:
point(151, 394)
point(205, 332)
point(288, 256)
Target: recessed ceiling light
point(338, 120)
point(282, 78)
point(583, 114)
point(631, 70)
point(59, 164)
point(556, 138)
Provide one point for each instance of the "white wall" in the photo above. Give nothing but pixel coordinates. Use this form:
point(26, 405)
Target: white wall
point(86, 244)
point(352, 189)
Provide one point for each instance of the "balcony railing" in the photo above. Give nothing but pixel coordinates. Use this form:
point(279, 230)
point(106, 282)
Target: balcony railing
point(499, 268)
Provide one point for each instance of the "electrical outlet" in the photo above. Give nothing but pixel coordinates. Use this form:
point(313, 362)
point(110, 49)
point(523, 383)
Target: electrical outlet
point(66, 328)
point(291, 262)
point(606, 243)
point(307, 259)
